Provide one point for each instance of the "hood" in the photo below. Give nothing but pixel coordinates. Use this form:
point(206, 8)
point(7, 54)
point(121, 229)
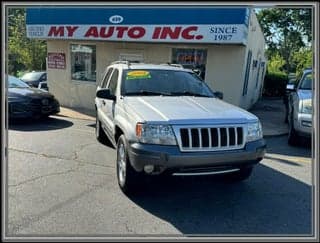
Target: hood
point(186, 110)
point(304, 94)
point(28, 93)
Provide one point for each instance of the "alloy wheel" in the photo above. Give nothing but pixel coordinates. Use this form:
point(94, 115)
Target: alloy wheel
point(122, 164)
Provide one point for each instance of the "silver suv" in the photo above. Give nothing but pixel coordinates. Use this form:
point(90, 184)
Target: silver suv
point(300, 108)
point(164, 118)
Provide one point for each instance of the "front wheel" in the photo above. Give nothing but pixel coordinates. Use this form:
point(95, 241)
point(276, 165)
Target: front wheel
point(100, 135)
point(293, 138)
point(128, 178)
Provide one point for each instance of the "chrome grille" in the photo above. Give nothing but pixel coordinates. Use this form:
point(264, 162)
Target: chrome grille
point(213, 138)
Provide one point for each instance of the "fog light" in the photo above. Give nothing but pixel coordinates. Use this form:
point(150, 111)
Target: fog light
point(148, 168)
point(306, 123)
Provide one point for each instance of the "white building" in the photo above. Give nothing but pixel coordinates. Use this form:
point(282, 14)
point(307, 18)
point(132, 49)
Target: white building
point(227, 44)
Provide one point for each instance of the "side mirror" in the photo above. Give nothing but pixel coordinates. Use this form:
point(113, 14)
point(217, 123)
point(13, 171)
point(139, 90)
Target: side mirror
point(290, 87)
point(105, 94)
point(197, 71)
point(43, 85)
point(219, 95)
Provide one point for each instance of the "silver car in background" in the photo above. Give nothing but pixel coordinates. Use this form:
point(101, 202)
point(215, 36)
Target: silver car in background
point(300, 108)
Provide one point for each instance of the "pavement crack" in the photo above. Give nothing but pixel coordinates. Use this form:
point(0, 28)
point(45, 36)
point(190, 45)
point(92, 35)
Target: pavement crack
point(127, 227)
point(74, 158)
point(35, 153)
point(43, 176)
point(76, 153)
point(28, 220)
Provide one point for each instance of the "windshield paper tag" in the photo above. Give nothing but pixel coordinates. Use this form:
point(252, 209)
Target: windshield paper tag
point(138, 75)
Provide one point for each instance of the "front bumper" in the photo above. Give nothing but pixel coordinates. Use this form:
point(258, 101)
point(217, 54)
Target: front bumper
point(170, 157)
point(21, 110)
point(303, 124)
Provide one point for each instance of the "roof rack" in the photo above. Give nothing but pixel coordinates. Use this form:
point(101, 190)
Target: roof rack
point(121, 62)
point(125, 62)
point(172, 64)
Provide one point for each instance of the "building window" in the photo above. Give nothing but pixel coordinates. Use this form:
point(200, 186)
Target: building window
point(191, 58)
point(83, 63)
point(246, 76)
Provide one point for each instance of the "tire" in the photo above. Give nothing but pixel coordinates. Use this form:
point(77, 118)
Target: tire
point(100, 135)
point(241, 175)
point(293, 138)
point(286, 117)
point(128, 178)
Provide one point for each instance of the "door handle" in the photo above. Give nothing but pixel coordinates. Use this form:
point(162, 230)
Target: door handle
point(103, 102)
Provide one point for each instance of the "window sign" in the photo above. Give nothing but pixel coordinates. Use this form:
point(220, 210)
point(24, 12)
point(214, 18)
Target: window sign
point(83, 62)
point(56, 60)
point(191, 58)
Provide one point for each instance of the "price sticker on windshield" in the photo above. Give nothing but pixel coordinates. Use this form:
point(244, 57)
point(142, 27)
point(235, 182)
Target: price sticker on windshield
point(138, 74)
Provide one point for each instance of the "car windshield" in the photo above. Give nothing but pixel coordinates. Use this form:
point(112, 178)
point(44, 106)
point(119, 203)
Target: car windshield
point(306, 82)
point(163, 82)
point(32, 76)
point(16, 83)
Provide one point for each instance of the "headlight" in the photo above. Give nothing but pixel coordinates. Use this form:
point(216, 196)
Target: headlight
point(306, 106)
point(155, 134)
point(254, 131)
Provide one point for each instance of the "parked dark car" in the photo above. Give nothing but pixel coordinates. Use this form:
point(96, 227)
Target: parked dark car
point(34, 78)
point(27, 102)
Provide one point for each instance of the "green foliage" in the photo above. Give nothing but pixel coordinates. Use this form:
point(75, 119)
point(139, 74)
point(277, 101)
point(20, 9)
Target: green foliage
point(286, 32)
point(276, 64)
point(24, 53)
point(275, 84)
point(302, 59)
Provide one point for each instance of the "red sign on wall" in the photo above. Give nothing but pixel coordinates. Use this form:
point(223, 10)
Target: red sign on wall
point(56, 60)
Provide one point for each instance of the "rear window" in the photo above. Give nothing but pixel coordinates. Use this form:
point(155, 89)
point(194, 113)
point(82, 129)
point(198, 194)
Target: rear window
point(31, 76)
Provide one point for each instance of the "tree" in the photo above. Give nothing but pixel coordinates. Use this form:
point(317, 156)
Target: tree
point(276, 64)
point(286, 32)
point(24, 53)
point(302, 59)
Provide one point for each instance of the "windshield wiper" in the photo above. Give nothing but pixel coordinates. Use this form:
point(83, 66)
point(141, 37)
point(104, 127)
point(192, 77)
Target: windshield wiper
point(146, 92)
point(188, 93)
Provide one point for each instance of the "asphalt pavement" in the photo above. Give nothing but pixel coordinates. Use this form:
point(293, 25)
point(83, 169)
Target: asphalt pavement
point(270, 111)
point(62, 184)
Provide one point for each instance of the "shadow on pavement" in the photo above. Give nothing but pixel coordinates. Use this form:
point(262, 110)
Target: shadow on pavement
point(106, 141)
point(92, 125)
point(276, 204)
point(279, 145)
point(44, 124)
point(288, 162)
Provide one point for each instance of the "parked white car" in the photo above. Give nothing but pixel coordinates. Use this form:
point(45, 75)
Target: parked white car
point(165, 118)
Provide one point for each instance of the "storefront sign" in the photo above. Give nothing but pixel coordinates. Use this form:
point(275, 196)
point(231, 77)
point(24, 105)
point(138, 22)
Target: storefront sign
point(56, 60)
point(213, 25)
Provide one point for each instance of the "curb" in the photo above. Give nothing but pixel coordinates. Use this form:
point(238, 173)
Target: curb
point(76, 116)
